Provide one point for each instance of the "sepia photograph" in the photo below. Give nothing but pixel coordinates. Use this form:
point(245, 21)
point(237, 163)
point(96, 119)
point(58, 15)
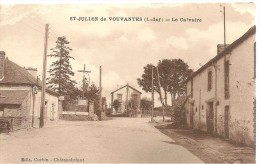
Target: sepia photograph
point(128, 82)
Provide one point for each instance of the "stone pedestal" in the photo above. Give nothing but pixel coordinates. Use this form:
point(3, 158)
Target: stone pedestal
point(91, 111)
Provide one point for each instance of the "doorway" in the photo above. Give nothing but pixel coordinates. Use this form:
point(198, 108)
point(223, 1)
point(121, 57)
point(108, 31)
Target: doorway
point(210, 116)
point(226, 122)
point(191, 115)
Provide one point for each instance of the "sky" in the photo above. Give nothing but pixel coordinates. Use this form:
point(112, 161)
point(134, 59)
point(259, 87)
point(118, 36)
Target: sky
point(122, 48)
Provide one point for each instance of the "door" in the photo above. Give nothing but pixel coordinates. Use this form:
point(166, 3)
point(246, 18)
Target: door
point(191, 115)
point(210, 116)
point(226, 121)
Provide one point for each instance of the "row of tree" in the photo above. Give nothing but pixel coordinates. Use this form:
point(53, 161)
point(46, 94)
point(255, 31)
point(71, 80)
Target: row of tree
point(172, 74)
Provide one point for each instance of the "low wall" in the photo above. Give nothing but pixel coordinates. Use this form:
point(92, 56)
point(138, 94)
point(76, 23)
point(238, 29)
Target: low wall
point(74, 117)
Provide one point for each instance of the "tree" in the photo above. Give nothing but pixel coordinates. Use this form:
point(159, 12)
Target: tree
point(61, 71)
point(133, 103)
point(146, 104)
point(172, 76)
point(116, 104)
point(165, 72)
point(179, 73)
point(90, 92)
point(146, 80)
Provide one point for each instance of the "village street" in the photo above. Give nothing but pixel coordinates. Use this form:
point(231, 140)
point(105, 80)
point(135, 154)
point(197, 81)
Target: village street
point(117, 140)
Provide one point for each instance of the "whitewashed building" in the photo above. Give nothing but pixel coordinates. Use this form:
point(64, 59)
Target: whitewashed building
point(125, 95)
point(222, 93)
point(20, 95)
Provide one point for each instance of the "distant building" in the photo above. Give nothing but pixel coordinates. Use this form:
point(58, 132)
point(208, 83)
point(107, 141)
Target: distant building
point(125, 95)
point(222, 92)
point(20, 94)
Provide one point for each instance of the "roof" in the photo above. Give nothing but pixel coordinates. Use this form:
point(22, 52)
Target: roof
point(129, 87)
point(229, 48)
point(17, 75)
point(12, 97)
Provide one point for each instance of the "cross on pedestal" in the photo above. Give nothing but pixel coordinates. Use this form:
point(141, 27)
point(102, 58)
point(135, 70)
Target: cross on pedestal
point(83, 71)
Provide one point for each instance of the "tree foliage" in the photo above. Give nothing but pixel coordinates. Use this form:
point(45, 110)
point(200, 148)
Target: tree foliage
point(180, 72)
point(133, 103)
point(90, 92)
point(146, 80)
point(60, 70)
point(172, 74)
point(116, 104)
point(146, 104)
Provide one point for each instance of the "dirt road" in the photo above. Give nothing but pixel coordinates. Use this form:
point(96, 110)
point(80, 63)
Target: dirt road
point(117, 140)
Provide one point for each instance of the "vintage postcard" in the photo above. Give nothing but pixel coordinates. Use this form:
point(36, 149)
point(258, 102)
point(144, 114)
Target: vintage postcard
point(128, 82)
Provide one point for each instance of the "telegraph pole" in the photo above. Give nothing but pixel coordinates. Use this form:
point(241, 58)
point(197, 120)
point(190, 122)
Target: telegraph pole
point(100, 90)
point(224, 15)
point(83, 80)
point(127, 89)
point(44, 76)
point(160, 90)
point(224, 9)
point(152, 97)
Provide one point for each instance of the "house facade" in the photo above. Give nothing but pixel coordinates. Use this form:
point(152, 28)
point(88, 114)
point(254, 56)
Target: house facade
point(222, 93)
point(125, 95)
point(20, 95)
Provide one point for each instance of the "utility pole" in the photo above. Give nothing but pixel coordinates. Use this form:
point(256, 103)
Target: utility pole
point(83, 81)
point(224, 9)
point(160, 90)
point(127, 89)
point(224, 15)
point(152, 97)
point(100, 90)
point(44, 76)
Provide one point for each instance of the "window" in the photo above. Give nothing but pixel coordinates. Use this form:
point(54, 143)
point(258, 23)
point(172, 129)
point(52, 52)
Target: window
point(191, 88)
point(209, 80)
point(226, 79)
point(1, 111)
point(119, 97)
point(134, 96)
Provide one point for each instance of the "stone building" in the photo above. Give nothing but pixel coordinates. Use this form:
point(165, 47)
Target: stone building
point(222, 92)
point(125, 95)
point(20, 94)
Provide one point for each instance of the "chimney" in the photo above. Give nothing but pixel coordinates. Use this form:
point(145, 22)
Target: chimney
point(220, 48)
point(32, 71)
point(2, 64)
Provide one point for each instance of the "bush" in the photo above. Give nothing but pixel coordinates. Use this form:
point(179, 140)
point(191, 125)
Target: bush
point(108, 111)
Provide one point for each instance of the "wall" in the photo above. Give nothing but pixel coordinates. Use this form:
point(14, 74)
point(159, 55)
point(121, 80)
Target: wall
point(123, 91)
point(242, 95)
point(240, 102)
point(19, 111)
point(201, 97)
point(51, 108)
point(29, 105)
